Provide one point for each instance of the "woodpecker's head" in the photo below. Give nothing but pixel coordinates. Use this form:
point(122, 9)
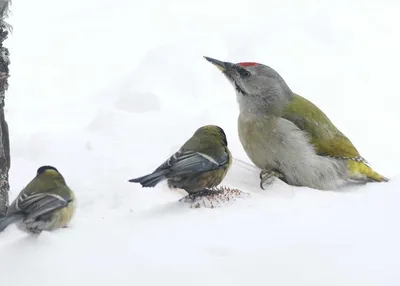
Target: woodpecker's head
point(257, 86)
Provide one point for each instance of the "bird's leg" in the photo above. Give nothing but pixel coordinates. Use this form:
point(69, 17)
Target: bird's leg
point(267, 176)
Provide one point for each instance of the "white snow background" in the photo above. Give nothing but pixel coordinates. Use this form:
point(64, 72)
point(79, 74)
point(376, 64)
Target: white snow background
point(107, 90)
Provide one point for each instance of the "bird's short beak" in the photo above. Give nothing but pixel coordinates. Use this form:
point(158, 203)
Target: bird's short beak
point(223, 66)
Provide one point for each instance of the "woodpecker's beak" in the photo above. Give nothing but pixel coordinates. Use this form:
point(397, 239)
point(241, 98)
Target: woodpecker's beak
point(223, 66)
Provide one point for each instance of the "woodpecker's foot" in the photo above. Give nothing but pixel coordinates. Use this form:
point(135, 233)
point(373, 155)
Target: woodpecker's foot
point(267, 177)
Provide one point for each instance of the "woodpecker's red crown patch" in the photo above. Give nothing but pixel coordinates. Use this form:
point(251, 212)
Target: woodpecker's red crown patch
point(248, 64)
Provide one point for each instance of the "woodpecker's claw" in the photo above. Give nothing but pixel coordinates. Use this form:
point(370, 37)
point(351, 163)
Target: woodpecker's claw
point(267, 176)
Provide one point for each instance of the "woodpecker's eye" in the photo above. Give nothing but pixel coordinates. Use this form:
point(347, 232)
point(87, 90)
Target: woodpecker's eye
point(244, 73)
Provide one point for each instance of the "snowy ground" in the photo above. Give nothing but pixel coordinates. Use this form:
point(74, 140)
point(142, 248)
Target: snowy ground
point(107, 90)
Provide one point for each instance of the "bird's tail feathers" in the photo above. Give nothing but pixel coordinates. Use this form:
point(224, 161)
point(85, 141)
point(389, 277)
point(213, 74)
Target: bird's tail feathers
point(359, 168)
point(10, 219)
point(150, 180)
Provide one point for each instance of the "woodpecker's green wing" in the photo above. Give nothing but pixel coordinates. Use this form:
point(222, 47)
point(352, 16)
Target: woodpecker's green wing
point(326, 138)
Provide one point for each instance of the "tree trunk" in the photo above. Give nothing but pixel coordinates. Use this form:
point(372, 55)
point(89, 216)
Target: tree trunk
point(4, 137)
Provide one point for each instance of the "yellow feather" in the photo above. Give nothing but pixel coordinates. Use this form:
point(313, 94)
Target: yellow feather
point(326, 138)
point(358, 168)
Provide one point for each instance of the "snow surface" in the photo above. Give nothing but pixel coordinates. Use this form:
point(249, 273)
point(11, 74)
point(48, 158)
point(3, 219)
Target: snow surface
point(107, 90)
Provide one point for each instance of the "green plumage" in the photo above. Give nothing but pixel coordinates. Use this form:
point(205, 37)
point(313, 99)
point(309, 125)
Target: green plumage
point(208, 140)
point(201, 163)
point(46, 203)
point(324, 160)
point(326, 138)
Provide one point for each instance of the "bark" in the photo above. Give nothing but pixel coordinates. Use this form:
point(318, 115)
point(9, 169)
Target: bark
point(4, 136)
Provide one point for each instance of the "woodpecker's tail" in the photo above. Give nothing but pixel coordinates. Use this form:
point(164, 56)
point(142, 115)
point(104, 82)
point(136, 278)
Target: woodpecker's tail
point(358, 169)
point(7, 220)
point(150, 180)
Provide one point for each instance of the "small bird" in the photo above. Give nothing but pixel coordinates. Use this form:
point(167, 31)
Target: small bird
point(46, 203)
point(287, 136)
point(200, 164)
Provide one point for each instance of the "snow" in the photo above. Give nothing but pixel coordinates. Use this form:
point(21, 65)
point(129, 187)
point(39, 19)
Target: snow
point(106, 91)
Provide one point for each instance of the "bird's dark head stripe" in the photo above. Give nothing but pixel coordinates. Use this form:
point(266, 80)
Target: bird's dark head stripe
point(44, 168)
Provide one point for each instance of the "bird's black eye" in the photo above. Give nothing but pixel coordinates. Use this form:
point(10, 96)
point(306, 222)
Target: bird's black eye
point(244, 73)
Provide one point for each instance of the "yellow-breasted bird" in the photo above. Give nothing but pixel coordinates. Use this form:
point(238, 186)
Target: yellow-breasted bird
point(46, 203)
point(200, 164)
point(287, 136)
